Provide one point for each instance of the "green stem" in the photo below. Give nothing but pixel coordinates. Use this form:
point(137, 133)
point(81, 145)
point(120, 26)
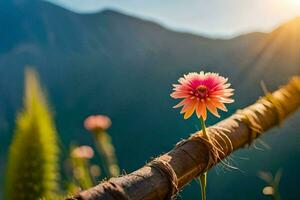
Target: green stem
point(203, 177)
point(107, 152)
point(203, 127)
point(101, 150)
point(276, 195)
point(83, 177)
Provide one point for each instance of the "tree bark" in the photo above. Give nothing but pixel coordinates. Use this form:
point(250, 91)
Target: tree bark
point(192, 157)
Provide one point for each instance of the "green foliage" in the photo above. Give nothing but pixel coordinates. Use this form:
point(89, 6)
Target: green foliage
point(107, 152)
point(32, 171)
point(81, 174)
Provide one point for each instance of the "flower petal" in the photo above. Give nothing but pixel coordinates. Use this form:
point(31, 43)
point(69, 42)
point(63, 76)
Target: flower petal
point(204, 113)
point(212, 108)
point(219, 105)
point(188, 106)
point(179, 95)
point(182, 103)
point(189, 112)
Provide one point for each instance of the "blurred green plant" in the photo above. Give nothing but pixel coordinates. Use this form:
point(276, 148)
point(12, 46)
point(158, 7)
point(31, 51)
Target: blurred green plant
point(98, 125)
point(272, 189)
point(80, 165)
point(107, 152)
point(33, 169)
point(81, 173)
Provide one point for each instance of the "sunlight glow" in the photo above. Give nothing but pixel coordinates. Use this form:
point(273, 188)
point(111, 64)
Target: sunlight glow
point(293, 2)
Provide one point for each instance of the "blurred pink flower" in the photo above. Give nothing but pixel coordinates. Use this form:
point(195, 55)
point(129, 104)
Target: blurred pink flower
point(97, 122)
point(83, 152)
point(200, 91)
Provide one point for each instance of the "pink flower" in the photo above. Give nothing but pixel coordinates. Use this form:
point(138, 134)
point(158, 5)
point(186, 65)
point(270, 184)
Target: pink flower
point(83, 152)
point(200, 91)
point(97, 122)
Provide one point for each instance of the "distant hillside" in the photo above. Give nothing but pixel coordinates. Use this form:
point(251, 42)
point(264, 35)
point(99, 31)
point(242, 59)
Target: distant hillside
point(123, 66)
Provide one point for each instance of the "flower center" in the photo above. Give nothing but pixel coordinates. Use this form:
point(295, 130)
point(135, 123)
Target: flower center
point(201, 92)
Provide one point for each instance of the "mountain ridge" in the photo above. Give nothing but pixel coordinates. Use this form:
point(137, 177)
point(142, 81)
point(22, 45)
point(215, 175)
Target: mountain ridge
point(116, 15)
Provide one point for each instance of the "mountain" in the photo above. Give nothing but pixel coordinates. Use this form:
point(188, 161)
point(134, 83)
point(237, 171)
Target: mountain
point(122, 66)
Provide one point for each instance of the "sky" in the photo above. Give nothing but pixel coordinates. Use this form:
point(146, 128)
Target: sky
point(216, 18)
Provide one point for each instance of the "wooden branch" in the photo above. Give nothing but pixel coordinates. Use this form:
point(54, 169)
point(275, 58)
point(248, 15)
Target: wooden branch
point(192, 157)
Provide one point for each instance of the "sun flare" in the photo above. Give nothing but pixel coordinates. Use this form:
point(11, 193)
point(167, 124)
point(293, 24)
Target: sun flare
point(293, 2)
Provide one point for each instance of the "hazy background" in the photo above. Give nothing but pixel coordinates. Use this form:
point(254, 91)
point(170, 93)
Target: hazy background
point(114, 62)
point(214, 18)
